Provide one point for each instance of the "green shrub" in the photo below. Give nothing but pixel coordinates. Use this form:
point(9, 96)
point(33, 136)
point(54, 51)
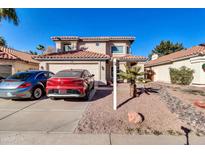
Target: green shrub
point(203, 66)
point(182, 76)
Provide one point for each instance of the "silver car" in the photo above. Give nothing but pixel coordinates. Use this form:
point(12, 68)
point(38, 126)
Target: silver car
point(30, 84)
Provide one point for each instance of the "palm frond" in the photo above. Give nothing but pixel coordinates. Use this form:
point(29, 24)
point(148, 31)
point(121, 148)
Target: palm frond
point(9, 14)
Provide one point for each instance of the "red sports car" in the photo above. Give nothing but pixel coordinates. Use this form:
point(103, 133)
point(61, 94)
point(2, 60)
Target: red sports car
point(70, 83)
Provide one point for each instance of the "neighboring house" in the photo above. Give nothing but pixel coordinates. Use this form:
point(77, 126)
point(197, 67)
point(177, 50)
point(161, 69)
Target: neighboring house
point(12, 61)
point(92, 53)
point(192, 58)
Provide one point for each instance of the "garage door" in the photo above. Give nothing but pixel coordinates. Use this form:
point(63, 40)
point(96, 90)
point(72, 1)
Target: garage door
point(5, 70)
point(92, 68)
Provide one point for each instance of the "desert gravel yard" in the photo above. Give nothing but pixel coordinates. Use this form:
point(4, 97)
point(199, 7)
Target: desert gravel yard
point(160, 114)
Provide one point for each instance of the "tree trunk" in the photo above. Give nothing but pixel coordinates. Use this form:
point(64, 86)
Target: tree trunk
point(131, 91)
point(134, 90)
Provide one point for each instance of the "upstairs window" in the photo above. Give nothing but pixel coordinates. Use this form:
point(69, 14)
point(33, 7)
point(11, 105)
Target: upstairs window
point(67, 47)
point(117, 49)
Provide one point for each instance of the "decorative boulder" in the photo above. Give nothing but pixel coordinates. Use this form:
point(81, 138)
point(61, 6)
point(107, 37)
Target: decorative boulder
point(134, 117)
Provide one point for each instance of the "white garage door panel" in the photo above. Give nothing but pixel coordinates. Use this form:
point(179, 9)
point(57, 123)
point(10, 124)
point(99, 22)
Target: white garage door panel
point(92, 68)
point(5, 70)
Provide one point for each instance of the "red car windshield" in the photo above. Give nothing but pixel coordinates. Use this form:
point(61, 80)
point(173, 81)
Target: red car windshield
point(71, 74)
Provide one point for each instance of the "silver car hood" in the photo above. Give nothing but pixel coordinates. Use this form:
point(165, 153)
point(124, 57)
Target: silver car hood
point(10, 84)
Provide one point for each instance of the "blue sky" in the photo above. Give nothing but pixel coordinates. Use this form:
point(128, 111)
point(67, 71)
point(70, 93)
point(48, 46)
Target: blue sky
point(149, 26)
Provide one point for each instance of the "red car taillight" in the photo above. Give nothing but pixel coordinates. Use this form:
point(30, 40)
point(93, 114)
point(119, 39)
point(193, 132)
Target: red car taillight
point(78, 82)
point(25, 85)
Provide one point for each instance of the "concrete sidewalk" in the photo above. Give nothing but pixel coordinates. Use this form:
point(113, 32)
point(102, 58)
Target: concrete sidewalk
point(94, 139)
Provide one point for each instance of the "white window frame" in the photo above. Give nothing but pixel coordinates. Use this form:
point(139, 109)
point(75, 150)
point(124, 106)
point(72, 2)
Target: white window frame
point(116, 46)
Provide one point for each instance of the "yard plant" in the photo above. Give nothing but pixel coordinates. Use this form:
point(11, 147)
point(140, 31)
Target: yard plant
point(203, 67)
point(182, 76)
point(132, 74)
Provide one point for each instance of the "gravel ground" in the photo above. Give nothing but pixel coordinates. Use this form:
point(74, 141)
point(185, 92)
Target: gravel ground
point(101, 118)
point(180, 100)
point(185, 93)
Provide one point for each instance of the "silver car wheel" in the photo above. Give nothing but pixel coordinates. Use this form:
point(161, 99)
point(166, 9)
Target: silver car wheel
point(37, 93)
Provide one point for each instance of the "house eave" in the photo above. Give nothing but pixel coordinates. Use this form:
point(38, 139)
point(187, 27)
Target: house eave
point(132, 60)
point(72, 59)
point(174, 60)
point(158, 64)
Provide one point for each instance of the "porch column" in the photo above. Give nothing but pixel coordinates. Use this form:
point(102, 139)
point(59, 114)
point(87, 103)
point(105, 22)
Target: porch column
point(114, 84)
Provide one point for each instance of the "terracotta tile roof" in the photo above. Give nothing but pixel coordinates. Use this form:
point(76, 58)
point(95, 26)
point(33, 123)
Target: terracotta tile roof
point(99, 38)
point(11, 54)
point(132, 58)
point(183, 54)
point(73, 55)
point(4, 55)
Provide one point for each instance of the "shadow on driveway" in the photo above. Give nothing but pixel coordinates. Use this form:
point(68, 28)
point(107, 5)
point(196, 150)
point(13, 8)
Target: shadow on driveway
point(96, 94)
point(101, 93)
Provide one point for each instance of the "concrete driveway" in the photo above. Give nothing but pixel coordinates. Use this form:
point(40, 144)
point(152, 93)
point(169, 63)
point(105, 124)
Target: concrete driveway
point(41, 115)
point(47, 121)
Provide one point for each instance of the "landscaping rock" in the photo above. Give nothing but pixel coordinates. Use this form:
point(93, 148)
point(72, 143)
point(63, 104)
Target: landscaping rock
point(186, 112)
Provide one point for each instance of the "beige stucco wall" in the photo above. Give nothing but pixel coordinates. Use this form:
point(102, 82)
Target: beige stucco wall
point(103, 47)
point(91, 46)
point(162, 71)
point(18, 66)
point(197, 63)
point(23, 66)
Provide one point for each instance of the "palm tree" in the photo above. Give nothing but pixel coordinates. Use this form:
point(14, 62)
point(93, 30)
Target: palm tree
point(132, 74)
point(2, 42)
point(33, 52)
point(10, 15)
point(41, 48)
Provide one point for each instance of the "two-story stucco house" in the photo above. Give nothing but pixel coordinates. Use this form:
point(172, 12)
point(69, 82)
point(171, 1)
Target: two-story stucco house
point(92, 53)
